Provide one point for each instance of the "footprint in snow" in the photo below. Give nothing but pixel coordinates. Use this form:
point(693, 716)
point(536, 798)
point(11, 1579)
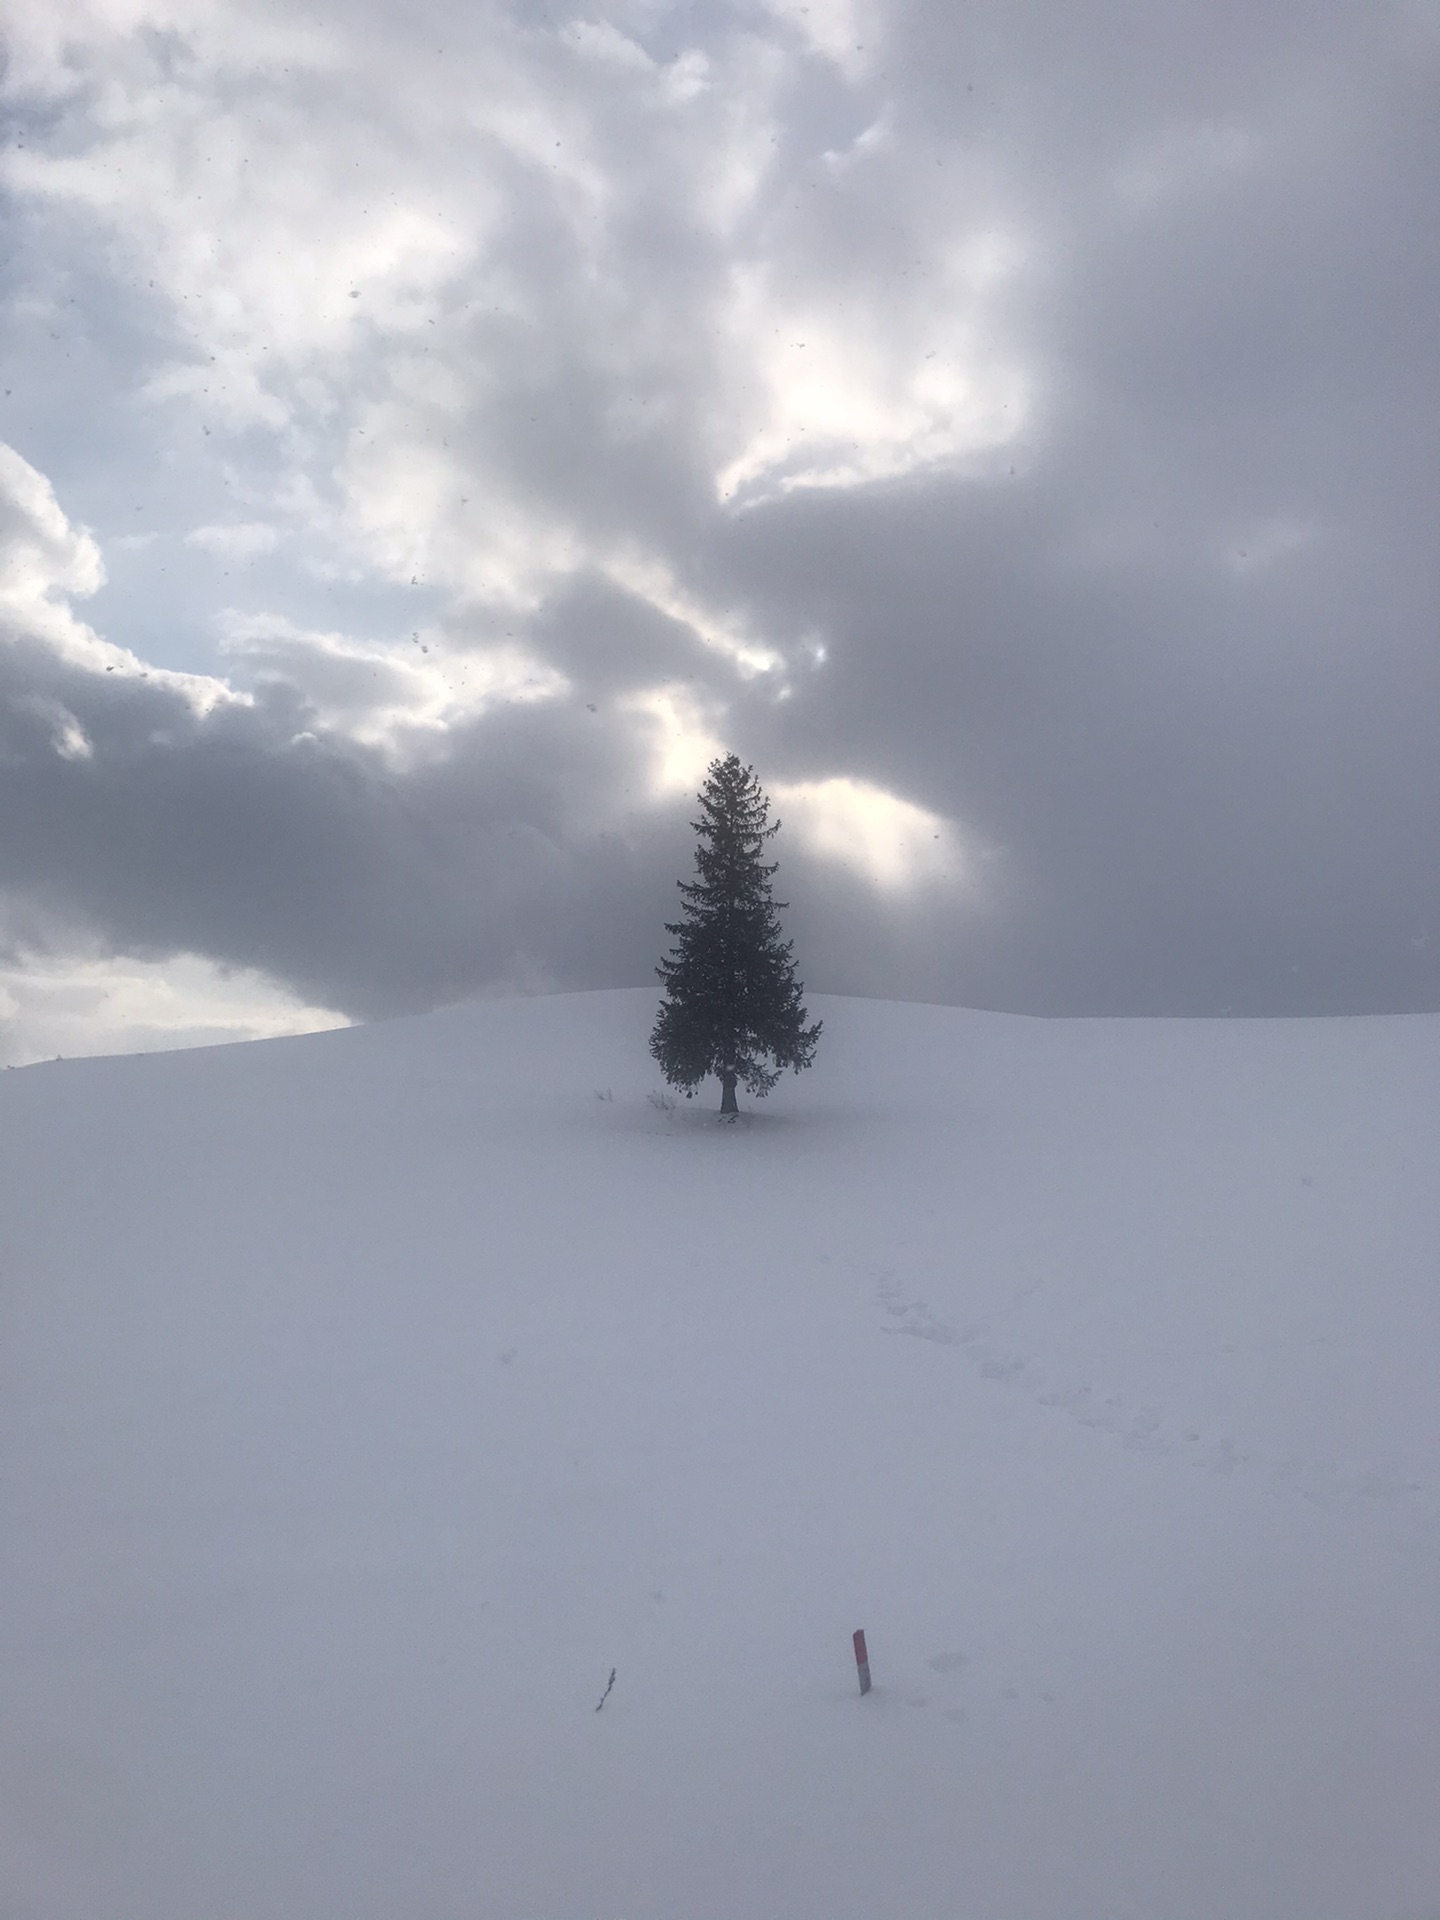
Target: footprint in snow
point(1008, 1366)
point(1322, 1482)
point(947, 1662)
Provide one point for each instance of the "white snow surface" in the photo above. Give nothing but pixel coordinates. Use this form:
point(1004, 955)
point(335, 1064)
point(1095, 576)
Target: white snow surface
point(369, 1396)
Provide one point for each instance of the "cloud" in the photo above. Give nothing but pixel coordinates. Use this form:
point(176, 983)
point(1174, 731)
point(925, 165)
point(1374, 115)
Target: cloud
point(42, 557)
point(71, 1006)
point(1017, 451)
point(1266, 543)
point(376, 697)
point(43, 561)
point(681, 736)
point(651, 581)
point(856, 396)
point(234, 540)
point(891, 842)
point(836, 30)
point(68, 738)
point(1197, 156)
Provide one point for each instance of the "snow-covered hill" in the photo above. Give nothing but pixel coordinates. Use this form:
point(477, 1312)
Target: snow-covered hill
point(368, 1397)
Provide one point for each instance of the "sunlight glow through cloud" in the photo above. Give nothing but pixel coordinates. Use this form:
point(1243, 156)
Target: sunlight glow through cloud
point(851, 397)
point(886, 840)
point(681, 743)
point(652, 581)
point(382, 697)
point(81, 1005)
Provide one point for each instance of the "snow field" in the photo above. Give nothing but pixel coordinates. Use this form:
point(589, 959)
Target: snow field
point(368, 1397)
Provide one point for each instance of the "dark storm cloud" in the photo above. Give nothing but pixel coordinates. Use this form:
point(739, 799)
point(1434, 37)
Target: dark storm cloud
point(1163, 660)
point(1181, 663)
point(233, 834)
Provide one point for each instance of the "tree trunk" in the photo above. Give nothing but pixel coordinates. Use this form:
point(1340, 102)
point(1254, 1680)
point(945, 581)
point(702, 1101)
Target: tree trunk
point(727, 1091)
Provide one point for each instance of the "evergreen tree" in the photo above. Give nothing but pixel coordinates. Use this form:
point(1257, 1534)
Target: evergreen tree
point(732, 1004)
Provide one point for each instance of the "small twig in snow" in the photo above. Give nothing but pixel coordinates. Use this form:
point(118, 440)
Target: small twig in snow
point(606, 1694)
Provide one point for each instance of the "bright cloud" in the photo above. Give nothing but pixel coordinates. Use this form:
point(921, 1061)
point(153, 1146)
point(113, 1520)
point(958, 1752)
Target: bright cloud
point(382, 696)
point(81, 1005)
point(854, 393)
point(41, 554)
point(280, 253)
point(43, 560)
point(417, 508)
point(651, 580)
point(680, 737)
point(883, 839)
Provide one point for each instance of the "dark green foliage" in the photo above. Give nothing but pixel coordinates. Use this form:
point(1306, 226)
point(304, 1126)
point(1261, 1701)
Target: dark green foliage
point(732, 1003)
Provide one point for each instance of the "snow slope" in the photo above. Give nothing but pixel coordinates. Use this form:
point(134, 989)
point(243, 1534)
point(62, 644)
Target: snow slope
point(368, 1397)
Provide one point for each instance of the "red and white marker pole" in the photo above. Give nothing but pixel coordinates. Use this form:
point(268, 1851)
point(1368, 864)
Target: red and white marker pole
point(862, 1660)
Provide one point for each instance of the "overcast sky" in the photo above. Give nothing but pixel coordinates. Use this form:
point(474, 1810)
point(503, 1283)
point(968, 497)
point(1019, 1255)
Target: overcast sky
point(430, 433)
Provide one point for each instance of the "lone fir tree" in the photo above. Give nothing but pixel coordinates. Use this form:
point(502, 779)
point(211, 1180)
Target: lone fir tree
point(732, 1004)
